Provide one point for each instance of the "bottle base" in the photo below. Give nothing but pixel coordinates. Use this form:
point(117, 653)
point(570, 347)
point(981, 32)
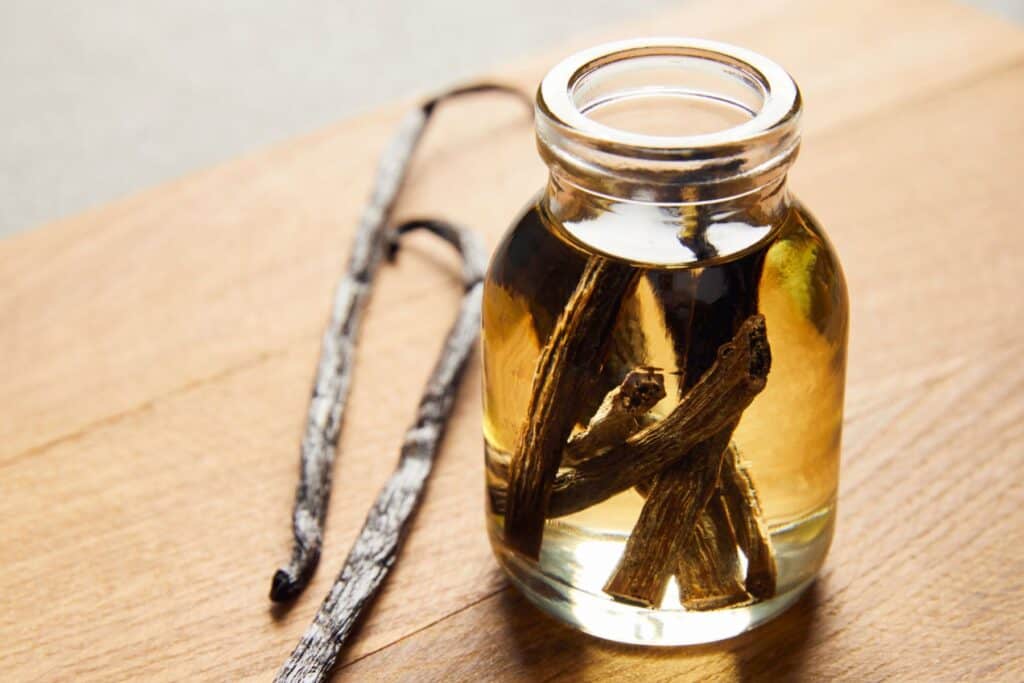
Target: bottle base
point(620, 622)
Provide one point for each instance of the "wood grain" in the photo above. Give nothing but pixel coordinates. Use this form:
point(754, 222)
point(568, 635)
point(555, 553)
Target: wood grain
point(157, 355)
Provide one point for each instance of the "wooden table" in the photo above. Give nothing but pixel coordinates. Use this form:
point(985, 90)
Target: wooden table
point(157, 355)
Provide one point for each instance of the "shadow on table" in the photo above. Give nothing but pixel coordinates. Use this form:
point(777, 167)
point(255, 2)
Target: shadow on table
point(544, 649)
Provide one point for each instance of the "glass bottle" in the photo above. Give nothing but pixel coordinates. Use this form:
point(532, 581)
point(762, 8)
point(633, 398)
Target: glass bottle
point(664, 346)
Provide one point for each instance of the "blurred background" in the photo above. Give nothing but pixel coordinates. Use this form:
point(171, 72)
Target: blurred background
point(103, 98)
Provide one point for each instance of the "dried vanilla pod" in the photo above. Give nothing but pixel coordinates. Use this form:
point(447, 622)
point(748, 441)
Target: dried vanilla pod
point(740, 498)
point(621, 414)
point(708, 570)
point(575, 345)
point(716, 319)
point(667, 521)
point(712, 404)
point(337, 352)
point(379, 542)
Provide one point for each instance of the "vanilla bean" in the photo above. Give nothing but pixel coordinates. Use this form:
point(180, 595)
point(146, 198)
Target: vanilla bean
point(737, 490)
point(334, 369)
point(717, 319)
point(718, 301)
point(565, 369)
point(666, 523)
point(620, 415)
point(377, 546)
point(709, 571)
point(712, 404)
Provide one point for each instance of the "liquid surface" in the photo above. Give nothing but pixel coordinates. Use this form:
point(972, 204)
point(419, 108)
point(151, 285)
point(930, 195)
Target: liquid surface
point(789, 437)
point(614, 233)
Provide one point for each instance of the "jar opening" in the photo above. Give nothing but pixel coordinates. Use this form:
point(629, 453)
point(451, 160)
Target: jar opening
point(668, 96)
point(668, 111)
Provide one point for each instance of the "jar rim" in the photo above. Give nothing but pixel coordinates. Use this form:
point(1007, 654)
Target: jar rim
point(574, 141)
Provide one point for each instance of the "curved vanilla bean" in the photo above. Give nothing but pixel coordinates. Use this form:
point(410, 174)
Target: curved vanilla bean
point(379, 542)
point(334, 369)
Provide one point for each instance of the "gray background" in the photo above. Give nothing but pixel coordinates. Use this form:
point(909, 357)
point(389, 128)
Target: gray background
point(102, 98)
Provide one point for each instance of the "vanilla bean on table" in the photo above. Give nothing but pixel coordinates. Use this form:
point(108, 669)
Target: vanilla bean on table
point(334, 369)
point(387, 523)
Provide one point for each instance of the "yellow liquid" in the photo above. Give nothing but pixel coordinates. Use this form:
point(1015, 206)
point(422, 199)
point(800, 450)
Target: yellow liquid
point(789, 436)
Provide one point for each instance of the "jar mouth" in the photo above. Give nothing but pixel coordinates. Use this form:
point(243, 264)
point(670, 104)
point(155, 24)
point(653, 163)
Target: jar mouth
point(668, 111)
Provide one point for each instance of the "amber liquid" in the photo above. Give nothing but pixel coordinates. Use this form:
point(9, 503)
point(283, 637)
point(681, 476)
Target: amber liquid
point(789, 436)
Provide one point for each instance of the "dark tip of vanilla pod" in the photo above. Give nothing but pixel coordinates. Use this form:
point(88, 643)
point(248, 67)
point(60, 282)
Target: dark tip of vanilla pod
point(283, 588)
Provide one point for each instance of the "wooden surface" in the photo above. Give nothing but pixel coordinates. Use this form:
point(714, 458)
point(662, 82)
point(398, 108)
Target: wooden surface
point(157, 355)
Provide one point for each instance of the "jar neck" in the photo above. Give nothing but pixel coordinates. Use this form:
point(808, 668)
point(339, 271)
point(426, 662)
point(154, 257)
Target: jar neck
point(703, 230)
point(567, 201)
point(669, 121)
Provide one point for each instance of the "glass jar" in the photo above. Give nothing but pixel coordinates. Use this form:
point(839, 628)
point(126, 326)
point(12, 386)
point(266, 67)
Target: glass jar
point(664, 346)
